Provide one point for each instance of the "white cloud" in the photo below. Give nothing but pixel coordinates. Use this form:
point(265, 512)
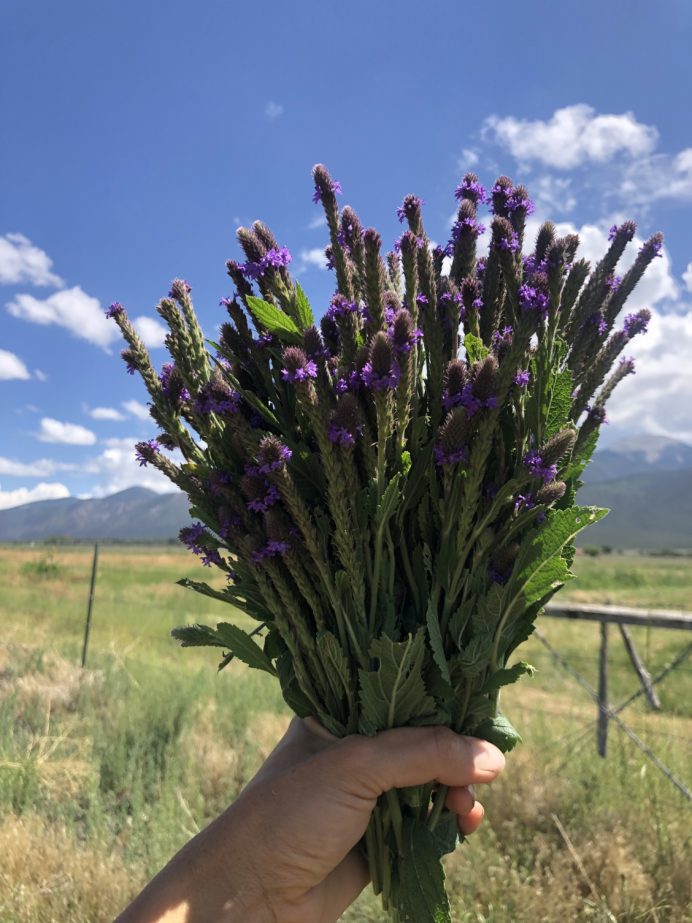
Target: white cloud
point(105, 413)
point(10, 498)
point(11, 366)
point(553, 194)
point(137, 409)
point(273, 110)
point(660, 176)
point(41, 468)
point(119, 469)
point(151, 331)
point(41, 376)
point(65, 433)
point(72, 309)
point(21, 261)
point(687, 277)
point(313, 257)
point(658, 397)
point(469, 158)
point(318, 222)
point(574, 135)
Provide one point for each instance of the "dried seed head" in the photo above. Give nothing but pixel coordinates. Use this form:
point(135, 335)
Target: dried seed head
point(330, 333)
point(485, 379)
point(550, 493)
point(265, 235)
point(455, 377)
point(558, 446)
point(252, 246)
point(313, 344)
point(381, 354)
point(545, 238)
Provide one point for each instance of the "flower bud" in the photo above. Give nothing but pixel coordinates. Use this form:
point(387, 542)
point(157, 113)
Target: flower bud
point(557, 446)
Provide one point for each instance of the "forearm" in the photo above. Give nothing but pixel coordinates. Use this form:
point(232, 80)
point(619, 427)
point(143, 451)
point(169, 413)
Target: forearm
point(208, 881)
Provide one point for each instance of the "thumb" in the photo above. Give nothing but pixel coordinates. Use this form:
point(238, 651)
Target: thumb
point(413, 756)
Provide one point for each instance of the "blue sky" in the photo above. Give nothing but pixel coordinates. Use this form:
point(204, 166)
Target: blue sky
point(138, 136)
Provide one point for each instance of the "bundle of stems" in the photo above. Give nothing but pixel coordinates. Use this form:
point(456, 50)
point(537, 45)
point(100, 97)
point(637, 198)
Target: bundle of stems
point(391, 493)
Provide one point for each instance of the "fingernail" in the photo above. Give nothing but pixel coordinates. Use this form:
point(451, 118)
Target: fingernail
point(487, 756)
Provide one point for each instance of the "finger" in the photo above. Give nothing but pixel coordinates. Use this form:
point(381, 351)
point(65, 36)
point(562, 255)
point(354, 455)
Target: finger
point(414, 756)
point(460, 799)
point(470, 822)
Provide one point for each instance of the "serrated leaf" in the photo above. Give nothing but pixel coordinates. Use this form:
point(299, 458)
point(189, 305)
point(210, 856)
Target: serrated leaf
point(559, 399)
point(420, 895)
point(475, 348)
point(507, 676)
point(336, 666)
point(203, 588)
point(303, 309)
point(388, 504)
point(274, 320)
point(196, 636)
point(293, 695)
point(498, 731)
point(435, 638)
point(394, 694)
point(242, 646)
point(540, 566)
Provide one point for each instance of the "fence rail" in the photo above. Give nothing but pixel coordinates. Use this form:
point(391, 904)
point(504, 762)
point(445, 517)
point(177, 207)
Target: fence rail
point(623, 616)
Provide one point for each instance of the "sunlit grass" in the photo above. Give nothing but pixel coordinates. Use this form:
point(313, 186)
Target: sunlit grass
point(105, 773)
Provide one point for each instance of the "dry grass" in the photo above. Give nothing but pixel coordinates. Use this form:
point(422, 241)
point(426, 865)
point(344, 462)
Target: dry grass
point(48, 875)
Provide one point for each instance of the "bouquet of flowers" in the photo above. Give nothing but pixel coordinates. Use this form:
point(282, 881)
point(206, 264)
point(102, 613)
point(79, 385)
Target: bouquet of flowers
point(391, 492)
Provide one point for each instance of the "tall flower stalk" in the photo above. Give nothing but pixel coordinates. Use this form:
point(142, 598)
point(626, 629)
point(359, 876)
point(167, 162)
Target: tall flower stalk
point(390, 493)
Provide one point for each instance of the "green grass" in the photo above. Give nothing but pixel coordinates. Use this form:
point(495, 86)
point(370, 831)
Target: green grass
point(104, 774)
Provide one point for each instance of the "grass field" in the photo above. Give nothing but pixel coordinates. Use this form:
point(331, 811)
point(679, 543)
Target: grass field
point(104, 773)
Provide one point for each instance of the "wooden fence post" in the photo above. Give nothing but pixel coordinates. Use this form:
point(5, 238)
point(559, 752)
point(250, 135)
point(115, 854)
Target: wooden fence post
point(602, 724)
point(87, 627)
point(640, 669)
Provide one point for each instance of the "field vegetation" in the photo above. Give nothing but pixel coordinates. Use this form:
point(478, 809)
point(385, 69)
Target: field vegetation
point(105, 772)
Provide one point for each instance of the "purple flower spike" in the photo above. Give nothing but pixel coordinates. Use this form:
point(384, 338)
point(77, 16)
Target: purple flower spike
point(637, 323)
point(532, 299)
point(297, 366)
point(470, 188)
point(443, 458)
point(146, 452)
point(524, 502)
point(521, 379)
point(380, 381)
point(534, 463)
point(335, 186)
point(612, 232)
point(272, 456)
point(115, 310)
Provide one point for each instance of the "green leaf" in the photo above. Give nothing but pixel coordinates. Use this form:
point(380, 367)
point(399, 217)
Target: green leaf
point(394, 694)
point(275, 320)
point(507, 676)
point(540, 566)
point(435, 637)
point(498, 731)
point(293, 695)
point(475, 348)
point(242, 646)
point(420, 895)
point(203, 588)
point(303, 309)
point(559, 399)
point(196, 636)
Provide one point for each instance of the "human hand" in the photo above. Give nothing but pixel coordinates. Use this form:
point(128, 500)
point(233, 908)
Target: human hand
point(285, 850)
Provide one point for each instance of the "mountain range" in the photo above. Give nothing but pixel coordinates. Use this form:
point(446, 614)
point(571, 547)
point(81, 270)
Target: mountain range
point(645, 480)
